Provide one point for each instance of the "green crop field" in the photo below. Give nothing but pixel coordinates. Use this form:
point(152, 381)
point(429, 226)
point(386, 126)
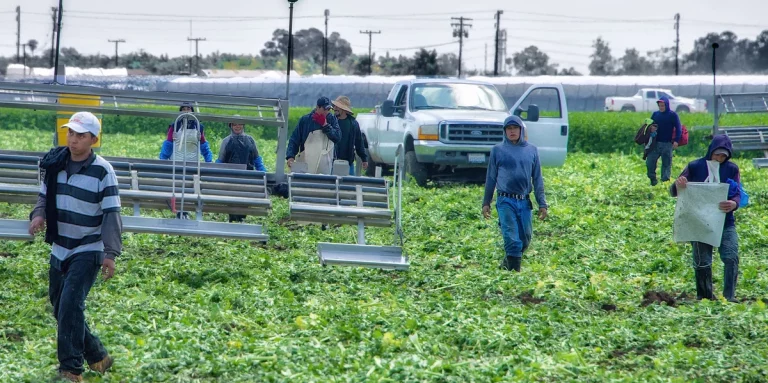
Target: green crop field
point(586, 307)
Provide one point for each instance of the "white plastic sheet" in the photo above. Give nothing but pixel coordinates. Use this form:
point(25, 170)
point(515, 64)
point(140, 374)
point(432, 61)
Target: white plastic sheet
point(697, 214)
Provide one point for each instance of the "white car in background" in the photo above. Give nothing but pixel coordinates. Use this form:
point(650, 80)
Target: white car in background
point(646, 98)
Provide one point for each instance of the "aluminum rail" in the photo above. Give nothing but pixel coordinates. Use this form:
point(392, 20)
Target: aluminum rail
point(134, 102)
point(15, 230)
point(249, 110)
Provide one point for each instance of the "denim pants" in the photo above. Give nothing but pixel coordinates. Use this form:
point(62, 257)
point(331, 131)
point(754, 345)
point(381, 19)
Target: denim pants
point(729, 254)
point(515, 220)
point(352, 169)
point(69, 284)
point(663, 150)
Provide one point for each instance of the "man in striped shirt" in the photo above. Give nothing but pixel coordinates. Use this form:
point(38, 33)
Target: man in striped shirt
point(79, 208)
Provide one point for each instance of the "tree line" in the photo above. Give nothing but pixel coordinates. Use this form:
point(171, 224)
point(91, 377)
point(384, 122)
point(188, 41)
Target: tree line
point(735, 56)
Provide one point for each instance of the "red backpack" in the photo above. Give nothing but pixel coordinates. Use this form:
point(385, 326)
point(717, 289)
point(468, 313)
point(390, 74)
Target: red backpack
point(683, 139)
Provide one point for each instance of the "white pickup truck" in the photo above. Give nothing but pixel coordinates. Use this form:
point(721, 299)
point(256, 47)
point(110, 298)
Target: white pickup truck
point(448, 126)
point(646, 98)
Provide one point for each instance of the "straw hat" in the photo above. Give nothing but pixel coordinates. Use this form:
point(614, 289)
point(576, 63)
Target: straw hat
point(343, 103)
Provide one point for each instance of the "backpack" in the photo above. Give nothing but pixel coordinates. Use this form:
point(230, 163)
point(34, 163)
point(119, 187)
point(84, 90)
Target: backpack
point(683, 138)
point(640, 137)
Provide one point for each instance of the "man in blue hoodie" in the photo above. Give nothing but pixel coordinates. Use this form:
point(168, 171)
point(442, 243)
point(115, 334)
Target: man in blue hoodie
point(514, 171)
point(312, 130)
point(668, 123)
point(720, 150)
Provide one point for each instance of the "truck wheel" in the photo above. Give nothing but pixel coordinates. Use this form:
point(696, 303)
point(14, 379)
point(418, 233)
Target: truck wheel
point(682, 109)
point(628, 108)
point(416, 169)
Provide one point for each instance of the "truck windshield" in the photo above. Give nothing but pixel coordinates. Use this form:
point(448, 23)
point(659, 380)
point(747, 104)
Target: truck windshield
point(456, 96)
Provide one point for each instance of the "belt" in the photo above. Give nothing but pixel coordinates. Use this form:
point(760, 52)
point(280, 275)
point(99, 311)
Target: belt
point(515, 196)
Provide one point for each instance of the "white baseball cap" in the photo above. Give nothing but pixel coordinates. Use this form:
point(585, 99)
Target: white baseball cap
point(84, 122)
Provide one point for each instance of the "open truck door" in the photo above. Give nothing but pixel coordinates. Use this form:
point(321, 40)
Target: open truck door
point(545, 112)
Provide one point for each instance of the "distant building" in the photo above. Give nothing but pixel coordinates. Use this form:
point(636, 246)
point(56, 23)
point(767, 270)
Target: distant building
point(245, 73)
point(18, 71)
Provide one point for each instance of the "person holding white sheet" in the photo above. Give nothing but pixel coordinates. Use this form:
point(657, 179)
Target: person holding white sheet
point(720, 150)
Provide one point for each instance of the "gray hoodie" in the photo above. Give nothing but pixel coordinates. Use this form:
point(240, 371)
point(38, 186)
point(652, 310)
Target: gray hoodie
point(514, 168)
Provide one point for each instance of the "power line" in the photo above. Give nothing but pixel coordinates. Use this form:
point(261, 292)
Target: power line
point(409, 48)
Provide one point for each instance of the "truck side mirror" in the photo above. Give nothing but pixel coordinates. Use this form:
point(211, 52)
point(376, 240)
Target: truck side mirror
point(388, 108)
point(533, 113)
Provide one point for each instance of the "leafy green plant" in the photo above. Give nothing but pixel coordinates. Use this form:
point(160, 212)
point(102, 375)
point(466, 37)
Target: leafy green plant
point(210, 310)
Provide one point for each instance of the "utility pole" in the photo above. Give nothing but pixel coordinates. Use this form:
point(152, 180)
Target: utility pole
point(370, 55)
point(18, 33)
point(116, 44)
point(54, 11)
point(677, 43)
point(58, 45)
point(197, 40)
point(485, 68)
point(325, 44)
point(496, 56)
point(461, 33)
point(24, 49)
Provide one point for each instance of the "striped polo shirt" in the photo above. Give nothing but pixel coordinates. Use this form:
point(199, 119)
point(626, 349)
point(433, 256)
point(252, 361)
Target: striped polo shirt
point(81, 201)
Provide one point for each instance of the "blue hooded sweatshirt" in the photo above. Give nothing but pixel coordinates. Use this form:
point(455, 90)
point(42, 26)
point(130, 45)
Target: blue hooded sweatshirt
point(306, 126)
point(668, 122)
point(697, 171)
point(514, 168)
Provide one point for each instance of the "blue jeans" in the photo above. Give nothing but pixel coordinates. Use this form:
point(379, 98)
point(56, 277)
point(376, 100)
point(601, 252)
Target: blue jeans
point(663, 150)
point(515, 220)
point(352, 169)
point(68, 286)
point(729, 254)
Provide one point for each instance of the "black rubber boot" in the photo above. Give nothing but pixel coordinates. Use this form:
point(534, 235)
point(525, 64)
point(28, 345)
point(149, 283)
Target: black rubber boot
point(515, 262)
point(511, 263)
point(704, 284)
point(730, 277)
point(654, 182)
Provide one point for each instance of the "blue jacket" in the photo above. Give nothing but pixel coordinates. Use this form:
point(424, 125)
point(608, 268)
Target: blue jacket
point(166, 150)
point(697, 171)
point(514, 168)
point(668, 122)
point(355, 144)
point(306, 126)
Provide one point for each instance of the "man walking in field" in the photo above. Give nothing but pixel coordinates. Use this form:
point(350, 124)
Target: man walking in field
point(351, 137)
point(312, 142)
point(79, 209)
point(720, 150)
point(668, 125)
point(514, 171)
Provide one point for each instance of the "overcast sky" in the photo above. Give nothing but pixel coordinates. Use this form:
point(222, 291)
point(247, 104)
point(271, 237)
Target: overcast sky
point(564, 29)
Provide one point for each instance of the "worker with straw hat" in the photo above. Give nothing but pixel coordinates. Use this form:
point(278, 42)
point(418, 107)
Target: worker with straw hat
point(351, 137)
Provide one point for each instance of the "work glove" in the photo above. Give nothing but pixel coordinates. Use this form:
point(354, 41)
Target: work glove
point(319, 119)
